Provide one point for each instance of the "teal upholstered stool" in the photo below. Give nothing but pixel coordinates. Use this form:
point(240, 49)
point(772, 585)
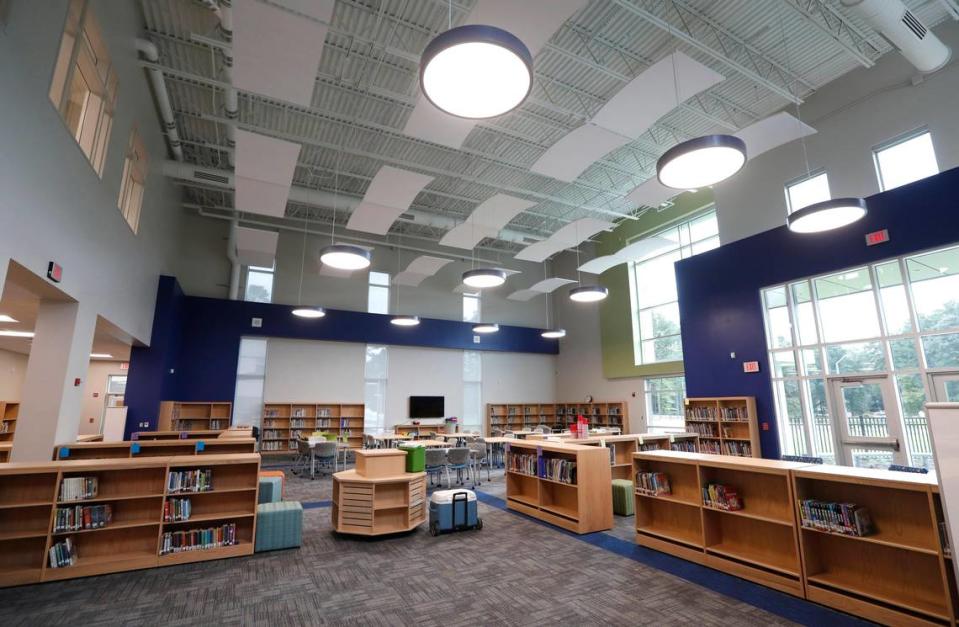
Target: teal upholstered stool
point(270, 489)
point(623, 497)
point(278, 525)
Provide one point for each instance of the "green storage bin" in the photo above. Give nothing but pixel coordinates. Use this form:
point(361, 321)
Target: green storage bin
point(415, 458)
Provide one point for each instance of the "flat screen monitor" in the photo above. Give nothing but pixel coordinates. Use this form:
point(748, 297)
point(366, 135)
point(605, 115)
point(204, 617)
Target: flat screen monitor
point(427, 407)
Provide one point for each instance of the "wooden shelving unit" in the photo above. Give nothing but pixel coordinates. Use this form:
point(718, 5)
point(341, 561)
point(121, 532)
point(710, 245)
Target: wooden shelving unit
point(584, 506)
point(523, 416)
point(5, 450)
point(418, 431)
point(8, 422)
point(153, 448)
point(136, 490)
point(896, 575)
point(622, 447)
point(180, 416)
point(282, 423)
point(378, 497)
point(726, 425)
point(758, 542)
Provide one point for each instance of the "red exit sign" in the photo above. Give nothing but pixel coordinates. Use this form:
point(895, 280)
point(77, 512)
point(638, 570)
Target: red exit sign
point(750, 366)
point(877, 237)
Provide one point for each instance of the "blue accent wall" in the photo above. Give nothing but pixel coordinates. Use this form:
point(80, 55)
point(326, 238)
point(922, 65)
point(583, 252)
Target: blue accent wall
point(199, 339)
point(719, 291)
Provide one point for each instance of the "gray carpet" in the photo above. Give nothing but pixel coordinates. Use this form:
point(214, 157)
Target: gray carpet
point(513, 572)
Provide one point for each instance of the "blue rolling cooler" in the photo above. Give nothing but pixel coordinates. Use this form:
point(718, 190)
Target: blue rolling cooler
point(453, 510)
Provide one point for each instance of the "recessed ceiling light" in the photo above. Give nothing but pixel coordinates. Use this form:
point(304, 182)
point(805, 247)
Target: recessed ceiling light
point(405, 321)
point(588, 293)
point(346, 257)
point(826, 215)
point(554, 334)
point(309, 312)
point(484, 277)
point(485, 328)
point(701, 162)
point(476, 71)
point(101, 356)
point(6, 318)
point(11, 333)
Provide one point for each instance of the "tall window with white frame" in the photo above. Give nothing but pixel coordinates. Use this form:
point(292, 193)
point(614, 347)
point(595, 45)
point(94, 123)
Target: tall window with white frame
point(374, 388)
point(807, 190)
point(471, 307)
point(664, 404)
point(259, 284)
point(905, 159)
point(250, 377)
point(854, 356)
point(472, 391)
point(379, 293)
point(655, 305)
point(84, 85)
point(134, 179)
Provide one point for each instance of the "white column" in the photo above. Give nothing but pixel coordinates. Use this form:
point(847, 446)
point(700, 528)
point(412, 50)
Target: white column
point(51, 402)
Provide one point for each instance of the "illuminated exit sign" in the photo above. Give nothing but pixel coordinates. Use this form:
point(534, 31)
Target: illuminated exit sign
point(877, 237)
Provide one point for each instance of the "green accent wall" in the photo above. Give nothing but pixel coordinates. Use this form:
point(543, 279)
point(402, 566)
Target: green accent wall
point(615, 317)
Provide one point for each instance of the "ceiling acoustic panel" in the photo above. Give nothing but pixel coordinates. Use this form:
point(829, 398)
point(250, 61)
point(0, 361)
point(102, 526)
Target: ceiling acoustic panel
point(567, 237)
point(577, 150)
point(420, 269)
point(467, 235)
point(651, 193)
point(264, 172)
point(533, 21)
point(256, 247)
point(254, 196)
point(276, 53)
point(497, 211)
point(549, 285)
point(772, 132)
point(637, 251)
point(390, 193)
point(524, 295)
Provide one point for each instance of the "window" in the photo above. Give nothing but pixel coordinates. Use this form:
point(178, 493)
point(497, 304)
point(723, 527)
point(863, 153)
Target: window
point(905, 159)
point(379, 300)
point(84, 87)
point(472, 391)
point(133, 181)
point(653, 289)
point(259, 284)
point(806, 191)
point(664, 404)
point(471, 307)
point(375, 377)
point(250, 376)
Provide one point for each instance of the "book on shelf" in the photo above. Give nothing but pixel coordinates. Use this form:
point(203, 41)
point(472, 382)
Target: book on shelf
point(653, 483)
point(735, 414)
point(299, 412)
point(324, 413)
point(216, 425)
point(703, 429)
point(722, 497)
point(701, 412)
point(522, 463)
point(82, 517)
point(557, 469)
point(176, 510)
point(78, 488)
point(197, 480)
point(271, 413)
point(709, 446)
point(198, 539)
point(686, 446)
point(847, 519)
point(944, 539)
point(63, 553)
point(297, 422)
point(741, 449)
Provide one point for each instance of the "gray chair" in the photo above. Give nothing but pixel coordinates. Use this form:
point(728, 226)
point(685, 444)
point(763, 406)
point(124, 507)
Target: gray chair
point(458, 459)
point(497, 433)
point(543, 429)
point(302, 460)
point(436, 464)
point(324, 456)
point(479, 457)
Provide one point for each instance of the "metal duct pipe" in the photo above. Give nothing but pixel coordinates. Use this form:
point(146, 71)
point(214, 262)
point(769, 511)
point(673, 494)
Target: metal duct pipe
point(234, 258)
point(223, 10)
point(149, 50)
point(327, 200)
point(902, 28)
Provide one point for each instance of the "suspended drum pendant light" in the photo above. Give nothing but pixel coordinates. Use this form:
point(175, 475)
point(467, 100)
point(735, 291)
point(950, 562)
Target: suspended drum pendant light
point(309, 312)
point(405, 321)
point(485, 328)
point(826, 215)
point(346, 257)
point(476, 71)
point(554, 334)
point(701, 162)
point(588, 293)
point(484, 277)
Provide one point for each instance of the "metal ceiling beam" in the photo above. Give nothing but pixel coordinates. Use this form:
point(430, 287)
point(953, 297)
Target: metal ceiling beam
point(835, 26)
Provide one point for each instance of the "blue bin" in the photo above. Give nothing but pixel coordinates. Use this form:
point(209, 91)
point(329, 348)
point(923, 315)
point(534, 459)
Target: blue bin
point(453, 510)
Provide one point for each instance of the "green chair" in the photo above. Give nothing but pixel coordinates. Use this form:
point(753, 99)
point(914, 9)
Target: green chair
point(278, 526)
point(623, 497)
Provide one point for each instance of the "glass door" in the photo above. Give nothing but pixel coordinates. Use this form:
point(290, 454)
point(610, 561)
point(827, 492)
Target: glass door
point(870, 426)
point(945, 387)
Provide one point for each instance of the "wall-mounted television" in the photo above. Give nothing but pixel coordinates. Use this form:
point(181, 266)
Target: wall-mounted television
point(427, 407)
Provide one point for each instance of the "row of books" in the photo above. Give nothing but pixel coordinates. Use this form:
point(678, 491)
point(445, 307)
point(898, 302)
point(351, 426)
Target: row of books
point(686, 446)
point(522, 463)
point(297, 423)
point(721, 496)
point(270, 434)
point(63, 554)
point(701, 412)
point(299, 412)
point(197, 480)
point(277, 445)
point(78, 488)
point(216, 425)
point(735, 414)
point(82, 517)
point(653, 483)
point(742, 449)
point(709, 446)
point(198, 539)
point(703, 429)
point(558, 469)
point(847, 519)
point(176, 510)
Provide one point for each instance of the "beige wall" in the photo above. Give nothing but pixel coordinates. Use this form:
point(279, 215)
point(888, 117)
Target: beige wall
point(96, 383)
point(12, 368)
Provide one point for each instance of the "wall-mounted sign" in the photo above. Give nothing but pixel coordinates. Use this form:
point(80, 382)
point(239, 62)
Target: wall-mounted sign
point(54, 272)
point(877, 237)
point(750, 366)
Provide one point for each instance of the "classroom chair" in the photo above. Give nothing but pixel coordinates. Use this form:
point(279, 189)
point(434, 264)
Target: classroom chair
point(458, 459)
point(436, 464)
point(479, 457)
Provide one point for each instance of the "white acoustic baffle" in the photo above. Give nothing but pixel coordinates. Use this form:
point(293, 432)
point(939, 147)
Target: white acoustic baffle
point(390, 193)
point(569, 236)
point(637, 251)
point(944, 431)
point(420, 269)
point(256, 247)
point(487, 220)
point(264, 173)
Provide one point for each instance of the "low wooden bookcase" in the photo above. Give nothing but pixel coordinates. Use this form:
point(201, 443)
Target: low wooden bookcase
point(153, 448)
point(8, 422)
point(621, 447)
point(282, 423)
point(378, 497)
point(201, 416)
point(524, 416)
point(726, 425)
point(136, 489)
point(583, 506)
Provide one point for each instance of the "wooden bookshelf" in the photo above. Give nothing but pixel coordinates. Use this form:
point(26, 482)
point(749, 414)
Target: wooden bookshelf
point(525, 416)
point(584, 506)
point(896, 575)
point(9, 412)
point(153, 448)
point(378, 497)
point(726, 425)
point(5, 450)
point(758, 542)
point(204, 416)
point(418, 431)
point(136, 490)
point(622, 447)
point(282, 423)
point(142, 436)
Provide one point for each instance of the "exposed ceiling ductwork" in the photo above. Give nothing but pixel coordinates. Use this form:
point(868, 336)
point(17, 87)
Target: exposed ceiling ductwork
point(904, 31)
